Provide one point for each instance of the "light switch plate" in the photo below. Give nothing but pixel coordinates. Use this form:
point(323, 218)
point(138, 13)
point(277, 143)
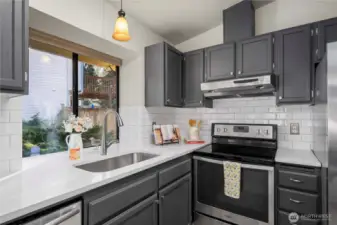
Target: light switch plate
point(294, 128)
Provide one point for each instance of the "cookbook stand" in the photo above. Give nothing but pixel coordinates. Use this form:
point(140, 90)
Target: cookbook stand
point(166, 142)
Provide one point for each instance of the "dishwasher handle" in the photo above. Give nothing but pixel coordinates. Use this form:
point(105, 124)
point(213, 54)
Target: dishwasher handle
point(64, 217)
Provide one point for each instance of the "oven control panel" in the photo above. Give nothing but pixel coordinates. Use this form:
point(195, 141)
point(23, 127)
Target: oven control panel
point(247, 131)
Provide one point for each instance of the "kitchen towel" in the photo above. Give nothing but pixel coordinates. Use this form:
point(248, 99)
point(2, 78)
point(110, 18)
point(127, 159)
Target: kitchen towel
point(232, 179)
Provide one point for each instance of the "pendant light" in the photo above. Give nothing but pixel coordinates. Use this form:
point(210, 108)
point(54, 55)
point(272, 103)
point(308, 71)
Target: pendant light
point(121, 32)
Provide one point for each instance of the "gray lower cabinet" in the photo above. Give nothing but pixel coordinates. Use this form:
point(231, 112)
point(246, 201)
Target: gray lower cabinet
point(194, 75)
point(326, 32)
point(163, 76)
point(254, 56)
point(175, 203)
point(293, 65)
point(298, 190)
point(220, 62)
point(144, 213)
point(14, 46)
point(161, 195)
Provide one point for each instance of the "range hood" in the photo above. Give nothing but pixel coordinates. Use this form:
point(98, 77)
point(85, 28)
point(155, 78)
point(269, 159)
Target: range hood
point(244, 87)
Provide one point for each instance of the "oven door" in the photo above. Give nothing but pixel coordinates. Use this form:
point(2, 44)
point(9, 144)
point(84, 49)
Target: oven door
point(256, 203)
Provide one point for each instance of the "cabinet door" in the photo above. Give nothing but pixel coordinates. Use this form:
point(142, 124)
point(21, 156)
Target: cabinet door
point(220, 62)
point(173, 77)
point(294, 65)
point(326, 32)
point(254, 56)
point(13, 35)
point(193, 77)
point(145, 213)
point(175, 203)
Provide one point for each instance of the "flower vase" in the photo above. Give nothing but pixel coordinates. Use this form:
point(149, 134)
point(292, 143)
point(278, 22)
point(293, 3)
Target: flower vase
point(75, 146)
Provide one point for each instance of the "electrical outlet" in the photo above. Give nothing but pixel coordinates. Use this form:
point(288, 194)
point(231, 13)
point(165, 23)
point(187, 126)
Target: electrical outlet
point(294, 128)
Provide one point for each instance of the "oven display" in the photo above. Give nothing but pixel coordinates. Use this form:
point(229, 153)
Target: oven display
point(241, 129)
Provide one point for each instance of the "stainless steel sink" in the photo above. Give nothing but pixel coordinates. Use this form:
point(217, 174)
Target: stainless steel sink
point(116, 162)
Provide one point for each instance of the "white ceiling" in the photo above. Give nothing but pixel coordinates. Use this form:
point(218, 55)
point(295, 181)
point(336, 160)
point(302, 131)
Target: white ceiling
point(177, 20)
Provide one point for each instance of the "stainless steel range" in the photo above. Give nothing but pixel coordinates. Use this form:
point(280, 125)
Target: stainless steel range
point(254, 146)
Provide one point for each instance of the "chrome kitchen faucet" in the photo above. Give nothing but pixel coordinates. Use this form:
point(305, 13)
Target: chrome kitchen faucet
point(104, 149)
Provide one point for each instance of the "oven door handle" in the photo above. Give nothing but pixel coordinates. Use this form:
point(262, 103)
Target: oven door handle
point(243, 165)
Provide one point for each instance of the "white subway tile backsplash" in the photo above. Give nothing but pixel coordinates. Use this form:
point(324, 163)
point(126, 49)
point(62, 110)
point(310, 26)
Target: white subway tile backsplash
point(258, 110)
point(302, 115)
point(4, 117)
point(10, 134)
point(4, 167)
point(5, 147)
point(15, 116)
point(261, 109)
point(15, 164)
point(15, 146)
point(301, 145)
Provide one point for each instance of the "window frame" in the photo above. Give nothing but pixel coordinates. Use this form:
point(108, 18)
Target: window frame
point(75, 99)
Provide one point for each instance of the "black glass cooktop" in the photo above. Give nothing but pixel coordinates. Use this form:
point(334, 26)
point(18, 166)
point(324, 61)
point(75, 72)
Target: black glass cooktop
point(240, 153)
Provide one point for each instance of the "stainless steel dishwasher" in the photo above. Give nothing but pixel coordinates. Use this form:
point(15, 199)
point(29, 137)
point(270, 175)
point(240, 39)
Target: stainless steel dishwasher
point(68, 215)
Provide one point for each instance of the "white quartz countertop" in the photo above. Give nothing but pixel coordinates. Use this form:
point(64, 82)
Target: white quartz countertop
point(297, 157)
point(49, 179)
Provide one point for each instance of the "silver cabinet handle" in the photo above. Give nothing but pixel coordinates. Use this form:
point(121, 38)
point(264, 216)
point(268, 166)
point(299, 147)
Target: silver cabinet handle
point(200, 102)
point(239, 72)
point(231, 73)
point(64, 217)
point(168, 100)
point(280, 97)
point(295, 180)
point(295, 201)
point(26, 76)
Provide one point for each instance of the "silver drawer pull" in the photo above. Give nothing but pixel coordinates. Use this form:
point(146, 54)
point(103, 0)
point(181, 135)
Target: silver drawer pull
point(295, 181)
point(295, 201)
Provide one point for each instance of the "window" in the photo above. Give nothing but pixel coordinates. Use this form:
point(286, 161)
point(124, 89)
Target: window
point(53, 81)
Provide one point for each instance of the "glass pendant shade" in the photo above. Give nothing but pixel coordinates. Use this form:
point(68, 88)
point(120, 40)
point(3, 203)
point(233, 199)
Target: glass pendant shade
point(121, 32)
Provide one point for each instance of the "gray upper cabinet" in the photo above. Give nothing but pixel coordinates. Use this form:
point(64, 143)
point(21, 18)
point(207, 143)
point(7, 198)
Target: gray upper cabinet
point(145, 213)
point(173, 77)
point(220, 62)
point(254, 56)
point(239, 21)
point(14, 46)
point(163, 76)
point(194, 75)
point(293, 61)
point(175, 203)
point(326, 32)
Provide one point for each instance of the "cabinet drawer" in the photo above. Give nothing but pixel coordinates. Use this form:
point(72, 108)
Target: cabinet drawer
point(301, 181)
point(174, 172)
point(283, 219)
point(295, 201)
point(118, 200)
point(142, 213)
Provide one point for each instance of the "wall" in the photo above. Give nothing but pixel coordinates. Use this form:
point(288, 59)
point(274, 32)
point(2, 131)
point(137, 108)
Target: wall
point(10, 134)
point(289, 13)
point(98, 18)
point(277, 15)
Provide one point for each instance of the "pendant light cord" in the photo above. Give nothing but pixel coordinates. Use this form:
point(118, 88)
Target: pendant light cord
point(121, 4)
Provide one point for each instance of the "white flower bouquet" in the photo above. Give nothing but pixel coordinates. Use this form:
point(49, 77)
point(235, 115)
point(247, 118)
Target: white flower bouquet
point(77, 124)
